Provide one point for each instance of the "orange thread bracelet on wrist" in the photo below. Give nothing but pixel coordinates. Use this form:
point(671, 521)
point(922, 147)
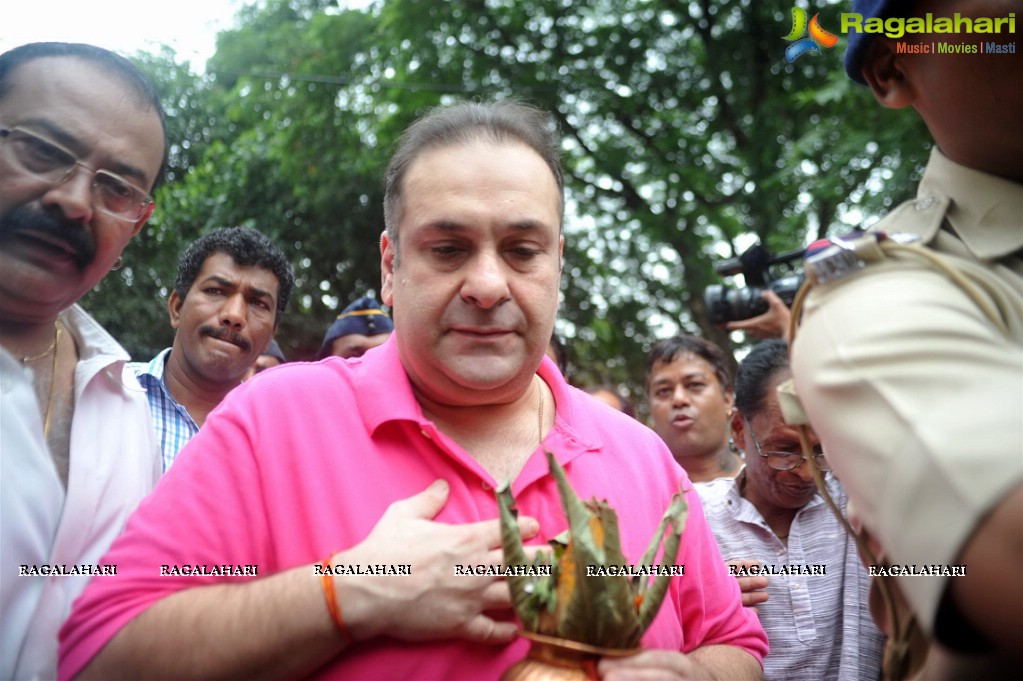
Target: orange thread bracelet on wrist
point(330, 594)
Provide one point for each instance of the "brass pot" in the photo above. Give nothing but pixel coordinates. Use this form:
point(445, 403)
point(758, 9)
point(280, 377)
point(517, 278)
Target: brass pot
point(558, 659)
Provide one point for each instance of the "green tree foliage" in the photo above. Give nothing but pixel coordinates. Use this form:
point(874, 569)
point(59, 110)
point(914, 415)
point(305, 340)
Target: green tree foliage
point(687, 135)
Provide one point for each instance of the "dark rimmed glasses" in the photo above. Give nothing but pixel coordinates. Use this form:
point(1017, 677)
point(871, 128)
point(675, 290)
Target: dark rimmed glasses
point(786, 461)
point(48, 161)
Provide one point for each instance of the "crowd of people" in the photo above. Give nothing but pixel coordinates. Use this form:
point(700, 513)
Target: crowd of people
point(176, 518)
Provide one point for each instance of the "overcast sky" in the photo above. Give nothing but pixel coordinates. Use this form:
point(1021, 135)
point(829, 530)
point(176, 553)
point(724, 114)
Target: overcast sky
point(126, 26)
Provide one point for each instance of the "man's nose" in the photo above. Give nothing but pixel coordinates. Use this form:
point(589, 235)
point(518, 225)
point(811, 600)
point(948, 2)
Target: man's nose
point(73, 195)
point(485, 284)
point(233, 312)
point(803, 470)
point(680, 396)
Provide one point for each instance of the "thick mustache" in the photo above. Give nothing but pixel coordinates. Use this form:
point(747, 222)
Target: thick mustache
point(223, 334)
point(52, 224)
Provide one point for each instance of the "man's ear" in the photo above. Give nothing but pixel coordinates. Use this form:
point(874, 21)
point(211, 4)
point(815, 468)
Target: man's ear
point(884, 70)
point(388, 253)
point(174, 304)
point(738, 430)
point(148, 213)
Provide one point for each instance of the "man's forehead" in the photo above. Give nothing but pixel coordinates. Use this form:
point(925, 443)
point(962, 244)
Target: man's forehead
point(686, 364)
point(446, 151)
point(445, 185)
point(221, 265)
point(770, 418)
point(71, 78)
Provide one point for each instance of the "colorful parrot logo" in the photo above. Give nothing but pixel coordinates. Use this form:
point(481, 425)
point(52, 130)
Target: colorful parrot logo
point(817, 39)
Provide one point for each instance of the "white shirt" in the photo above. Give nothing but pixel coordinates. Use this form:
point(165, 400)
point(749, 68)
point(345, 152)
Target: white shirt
point(818, 625)
point(114, 462)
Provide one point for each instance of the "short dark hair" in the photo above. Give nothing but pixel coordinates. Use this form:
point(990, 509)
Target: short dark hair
point(755, 372)
point(114, 64)
point(463, 123)
point(246, 247)
point(668, 349)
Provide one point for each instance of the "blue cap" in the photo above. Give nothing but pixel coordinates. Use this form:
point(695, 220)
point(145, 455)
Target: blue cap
point(274, 350)
point(364, 316)
point(858, 43)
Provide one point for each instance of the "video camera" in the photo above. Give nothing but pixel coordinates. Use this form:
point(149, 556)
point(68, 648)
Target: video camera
point(755, 265)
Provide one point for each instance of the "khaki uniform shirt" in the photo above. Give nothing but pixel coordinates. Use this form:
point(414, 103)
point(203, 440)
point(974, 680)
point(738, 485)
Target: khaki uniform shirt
point(916, 395)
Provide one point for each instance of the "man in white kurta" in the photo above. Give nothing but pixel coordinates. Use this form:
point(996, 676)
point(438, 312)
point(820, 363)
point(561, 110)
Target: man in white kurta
point(816, 615)
point(82, 144)
point(114, 463)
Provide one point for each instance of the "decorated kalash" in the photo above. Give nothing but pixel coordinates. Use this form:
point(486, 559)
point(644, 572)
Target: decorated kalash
point(582, 600)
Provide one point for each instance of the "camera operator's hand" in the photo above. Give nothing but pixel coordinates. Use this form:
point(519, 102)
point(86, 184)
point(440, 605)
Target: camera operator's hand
point(772, 324)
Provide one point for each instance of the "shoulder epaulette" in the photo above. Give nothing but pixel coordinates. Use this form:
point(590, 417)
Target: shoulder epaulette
point(829, 260)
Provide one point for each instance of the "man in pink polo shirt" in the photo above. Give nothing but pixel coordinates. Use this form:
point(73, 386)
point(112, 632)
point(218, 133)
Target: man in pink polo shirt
point(387, 464)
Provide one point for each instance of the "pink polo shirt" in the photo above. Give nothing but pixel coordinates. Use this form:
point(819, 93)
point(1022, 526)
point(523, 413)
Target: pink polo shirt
point(304, 459)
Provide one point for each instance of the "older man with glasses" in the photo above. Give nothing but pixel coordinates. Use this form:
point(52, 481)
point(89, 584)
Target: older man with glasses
point(82, 145)
point(791, 554)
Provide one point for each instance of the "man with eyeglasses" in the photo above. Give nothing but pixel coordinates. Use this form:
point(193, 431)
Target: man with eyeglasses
point(82, 145)
point(775, 529)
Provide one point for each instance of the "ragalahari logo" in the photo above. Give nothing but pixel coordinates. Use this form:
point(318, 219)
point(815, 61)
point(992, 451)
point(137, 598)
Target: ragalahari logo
point(817, 39)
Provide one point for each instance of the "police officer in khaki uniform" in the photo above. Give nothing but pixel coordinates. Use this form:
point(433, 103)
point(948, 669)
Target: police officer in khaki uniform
point(915, 387)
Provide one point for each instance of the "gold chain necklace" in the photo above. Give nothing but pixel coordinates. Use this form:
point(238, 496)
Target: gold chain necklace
point(48, 350)
point(53, 384)
point(53, 375)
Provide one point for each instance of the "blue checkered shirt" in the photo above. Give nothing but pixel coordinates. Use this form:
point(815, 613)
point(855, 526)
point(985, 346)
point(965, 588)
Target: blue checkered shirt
point(173, 424)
